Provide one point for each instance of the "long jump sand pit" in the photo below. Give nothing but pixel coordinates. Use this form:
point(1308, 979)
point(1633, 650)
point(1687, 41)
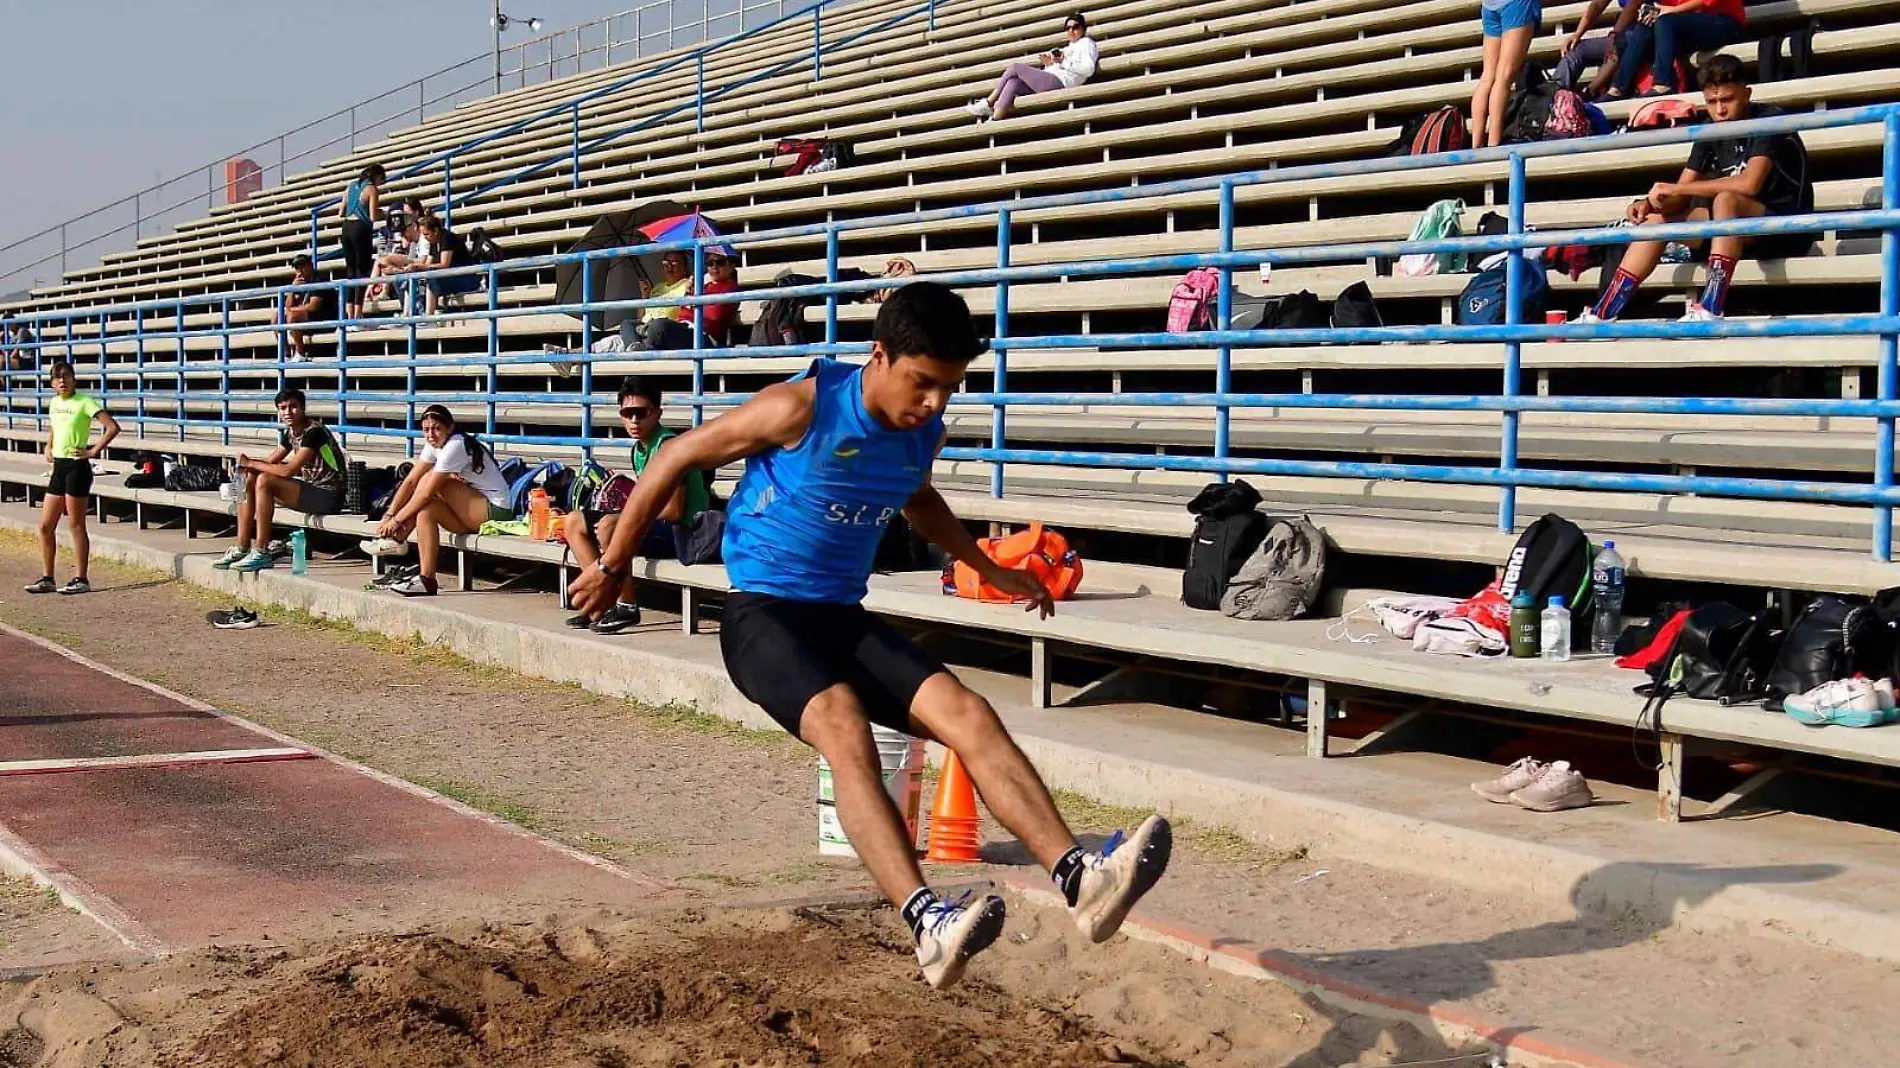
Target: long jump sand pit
point(718, 987)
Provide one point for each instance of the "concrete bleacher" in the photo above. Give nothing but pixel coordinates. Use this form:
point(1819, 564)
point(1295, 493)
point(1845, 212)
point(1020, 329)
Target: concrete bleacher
point(1190, 90)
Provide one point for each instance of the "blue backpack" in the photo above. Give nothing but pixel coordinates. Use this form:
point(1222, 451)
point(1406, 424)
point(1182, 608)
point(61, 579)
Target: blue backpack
point(1482, 302)
point(543, 474)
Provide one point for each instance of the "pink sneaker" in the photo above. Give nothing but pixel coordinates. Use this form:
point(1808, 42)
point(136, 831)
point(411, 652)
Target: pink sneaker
point(1558, 788)
point(1516, 777)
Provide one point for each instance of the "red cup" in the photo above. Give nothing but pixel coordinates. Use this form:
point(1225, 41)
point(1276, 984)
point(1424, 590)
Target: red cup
point(1554, 318)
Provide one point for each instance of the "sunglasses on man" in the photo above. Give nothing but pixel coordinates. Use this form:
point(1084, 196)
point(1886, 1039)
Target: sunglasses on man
point(636, 412)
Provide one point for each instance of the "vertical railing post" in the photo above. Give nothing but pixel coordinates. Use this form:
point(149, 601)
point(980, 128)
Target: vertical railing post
point(1224, 320)
point(699, 320)
point(699, 93)
point(410, 385)
point(930, 22)
point(1889, 376)
point(138, 362)
point(831, 278)
point(224, 370)
point(62, 250)
point(422, 103)
point(352, 127)
point(342, 348)
point(494, 347)
point(178, 376)
point(1513, 350)
point(577, 145)
point(448, 190)
point(104, 384)
point(316, 216)
point(817, 43)
point(999, 351)
point(587, 361)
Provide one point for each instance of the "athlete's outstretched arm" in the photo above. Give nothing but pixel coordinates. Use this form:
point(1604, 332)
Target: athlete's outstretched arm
point(930, 515)
point(777, 416)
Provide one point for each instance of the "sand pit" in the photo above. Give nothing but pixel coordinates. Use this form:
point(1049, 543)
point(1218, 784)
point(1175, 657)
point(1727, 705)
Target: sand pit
point(719, 987)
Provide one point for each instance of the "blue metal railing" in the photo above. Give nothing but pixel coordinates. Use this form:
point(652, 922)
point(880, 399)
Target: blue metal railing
point(570, 110)
point(1881, 494)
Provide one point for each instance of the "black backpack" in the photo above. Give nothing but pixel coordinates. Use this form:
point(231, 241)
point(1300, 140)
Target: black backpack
point(1228, 527)
point(191, 478)
point(1721, 654)
point(481, 248)
point(1529, 109)
point(1832, 638)
point(1354, 307)
point(1552, 558)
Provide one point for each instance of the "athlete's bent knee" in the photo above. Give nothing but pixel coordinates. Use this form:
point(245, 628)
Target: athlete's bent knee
point(1729, 205)
point(832, 719)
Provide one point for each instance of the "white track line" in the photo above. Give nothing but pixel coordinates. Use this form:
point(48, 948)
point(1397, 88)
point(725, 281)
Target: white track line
point(151, 760)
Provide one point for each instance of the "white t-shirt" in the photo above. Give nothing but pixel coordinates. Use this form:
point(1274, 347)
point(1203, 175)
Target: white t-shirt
point(453, 458)
point(419, 250)
point(1077, 64)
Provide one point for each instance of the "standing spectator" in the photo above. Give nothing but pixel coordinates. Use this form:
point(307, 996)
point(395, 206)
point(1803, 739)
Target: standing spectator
point(587, 530)
point(69, 417)
point(1737, 178)
point(362, 203)
point(1509, 26)
point(455, 485)
point(1580, 53)
point(1675, 30)
point(304, 472)
point(315, 305)
point(1062, 68)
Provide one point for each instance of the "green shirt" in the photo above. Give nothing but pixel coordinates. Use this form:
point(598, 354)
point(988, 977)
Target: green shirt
point(696, 500)
point(71, 419)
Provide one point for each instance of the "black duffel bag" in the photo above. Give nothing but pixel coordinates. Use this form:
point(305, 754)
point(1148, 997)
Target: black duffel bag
point(1832, 638)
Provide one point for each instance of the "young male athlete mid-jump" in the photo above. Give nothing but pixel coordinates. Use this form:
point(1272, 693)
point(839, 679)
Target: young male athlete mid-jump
point(831, 456)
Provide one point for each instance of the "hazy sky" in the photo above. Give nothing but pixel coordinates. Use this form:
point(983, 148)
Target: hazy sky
point(99, 98)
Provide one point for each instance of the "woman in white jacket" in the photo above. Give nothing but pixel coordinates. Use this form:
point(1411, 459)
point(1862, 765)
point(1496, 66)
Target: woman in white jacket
point(1063, 68)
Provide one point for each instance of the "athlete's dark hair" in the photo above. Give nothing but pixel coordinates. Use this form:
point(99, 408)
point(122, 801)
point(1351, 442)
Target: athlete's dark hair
point(302, 262)
point(374, 174)
point(635, 386)
point(477, 450)
point(1721, 69)
point(291, 393)
point(1078, 18)
point(927, 319)
point(60, 367)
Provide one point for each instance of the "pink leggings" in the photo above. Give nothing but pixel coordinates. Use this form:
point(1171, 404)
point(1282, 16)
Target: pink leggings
point(1021, 79)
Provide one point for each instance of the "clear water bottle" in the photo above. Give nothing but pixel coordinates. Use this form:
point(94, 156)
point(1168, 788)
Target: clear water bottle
point(1554, 642)
point(299, 552)
point(1606, 579)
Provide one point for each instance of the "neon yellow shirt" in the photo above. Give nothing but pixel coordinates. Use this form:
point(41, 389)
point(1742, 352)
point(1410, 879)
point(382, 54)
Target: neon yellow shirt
point(667, 289)
point(71, 419)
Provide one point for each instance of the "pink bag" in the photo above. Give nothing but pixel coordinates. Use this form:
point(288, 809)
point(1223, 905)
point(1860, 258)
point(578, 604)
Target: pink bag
point(1191, 306)
point(1567, 117)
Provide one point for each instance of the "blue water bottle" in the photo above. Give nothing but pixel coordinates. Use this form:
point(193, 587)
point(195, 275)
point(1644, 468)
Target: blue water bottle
point(299, 552)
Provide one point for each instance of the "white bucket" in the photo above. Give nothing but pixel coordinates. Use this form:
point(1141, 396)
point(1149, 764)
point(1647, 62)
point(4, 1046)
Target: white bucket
point(902, 758)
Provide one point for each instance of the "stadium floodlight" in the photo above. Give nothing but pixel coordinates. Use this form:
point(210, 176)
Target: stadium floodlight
point(500, 22)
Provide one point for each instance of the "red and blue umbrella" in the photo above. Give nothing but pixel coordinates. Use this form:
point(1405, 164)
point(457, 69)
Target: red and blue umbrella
point(687, 227)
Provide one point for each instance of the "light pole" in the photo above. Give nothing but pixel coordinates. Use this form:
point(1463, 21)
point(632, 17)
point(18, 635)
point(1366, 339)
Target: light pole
point(501, 22)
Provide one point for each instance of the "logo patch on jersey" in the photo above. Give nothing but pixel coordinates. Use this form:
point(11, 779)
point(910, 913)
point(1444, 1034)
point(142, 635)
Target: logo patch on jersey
point(845, 451)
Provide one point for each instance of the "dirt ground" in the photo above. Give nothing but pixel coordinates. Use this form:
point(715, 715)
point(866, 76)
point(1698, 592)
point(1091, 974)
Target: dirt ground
point(726, 815)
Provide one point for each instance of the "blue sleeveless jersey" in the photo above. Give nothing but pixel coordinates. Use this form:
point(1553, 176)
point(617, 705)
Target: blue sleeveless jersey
point(805, 521)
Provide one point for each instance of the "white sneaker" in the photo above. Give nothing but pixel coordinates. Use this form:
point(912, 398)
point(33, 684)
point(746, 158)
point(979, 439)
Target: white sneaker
point(953, 933)
point(1114, 879)
point(1519, 775)
point(386, 547)
point(1587, 317)
point(1854, 702)
point(980, 108)
point(1696, 313)
point(231, 556)
point(1560, 787)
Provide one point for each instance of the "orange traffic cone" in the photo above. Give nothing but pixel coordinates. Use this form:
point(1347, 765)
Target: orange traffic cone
point(953, 820)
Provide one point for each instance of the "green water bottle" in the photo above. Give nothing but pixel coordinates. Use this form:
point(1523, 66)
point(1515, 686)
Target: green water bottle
point(299, 552)
point(1525, 625)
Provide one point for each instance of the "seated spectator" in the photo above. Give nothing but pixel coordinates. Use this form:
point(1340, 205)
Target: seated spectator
point(1675, 30)
point(446, 249)
point(304, 472)
point(455, 485)
point(1062, 68)
point(314, 306)
point(586, 531)
point(1580, 53)
point(658, 327)
point(722, 276)
point(17, 336)
point(1738, 178)
point(1509, 26)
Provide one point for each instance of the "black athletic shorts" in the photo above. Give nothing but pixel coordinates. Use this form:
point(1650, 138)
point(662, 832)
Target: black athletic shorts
point(316, 500)
point(359, 249)
point(1768, 246)
point(782, 653)
point(71, 478)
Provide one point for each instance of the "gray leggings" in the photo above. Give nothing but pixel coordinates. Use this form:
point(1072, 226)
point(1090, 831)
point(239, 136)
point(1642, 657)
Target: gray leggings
point(1021, 79)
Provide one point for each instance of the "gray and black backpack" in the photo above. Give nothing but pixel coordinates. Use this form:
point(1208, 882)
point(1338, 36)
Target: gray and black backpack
point(1284, 576)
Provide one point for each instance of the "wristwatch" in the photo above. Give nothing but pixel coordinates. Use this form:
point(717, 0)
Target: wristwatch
point(600, 565)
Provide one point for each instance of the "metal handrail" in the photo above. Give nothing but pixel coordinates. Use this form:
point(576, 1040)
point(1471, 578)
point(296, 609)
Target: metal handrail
point(418, 87)
point(1507, 475)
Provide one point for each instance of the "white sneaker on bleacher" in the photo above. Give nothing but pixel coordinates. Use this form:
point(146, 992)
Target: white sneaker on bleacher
point(980, 108)
point(1696, 313)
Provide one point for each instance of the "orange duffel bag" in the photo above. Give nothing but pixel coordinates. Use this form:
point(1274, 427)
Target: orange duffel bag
point(1043, 553)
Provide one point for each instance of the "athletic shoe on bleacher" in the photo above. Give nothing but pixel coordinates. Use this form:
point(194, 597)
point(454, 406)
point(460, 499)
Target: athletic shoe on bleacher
point(1696, 313)
point(385, 547)
point(618, 618)
point(1558, 788)
point(231, 556)
point(239, 618)
point(1854, 702)
point(980, 108)
point(581, 621)
point(953, 933)
point(1117, 877)
point(255, 560)
point(1519, 775)
point(414, 586)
